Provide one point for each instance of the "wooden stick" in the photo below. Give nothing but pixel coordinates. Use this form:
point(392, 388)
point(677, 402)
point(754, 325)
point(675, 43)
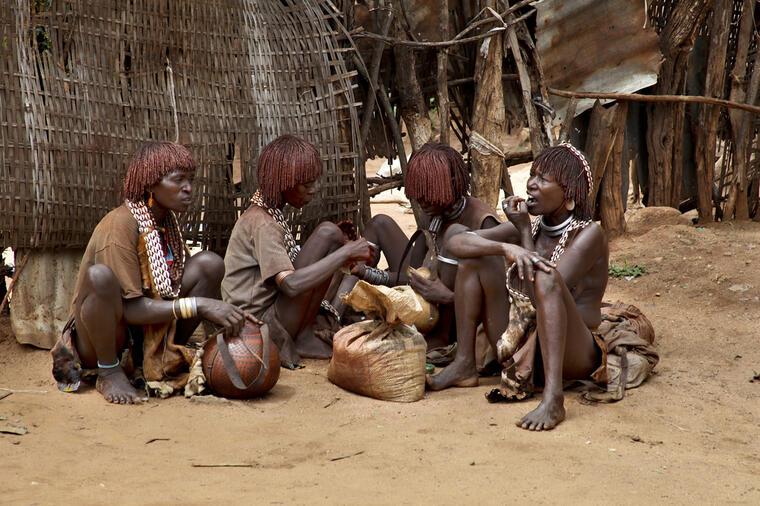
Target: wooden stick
point(635, 97)
point(223, 465)
point(14, 279)
point(447, 43)
point(387, 186)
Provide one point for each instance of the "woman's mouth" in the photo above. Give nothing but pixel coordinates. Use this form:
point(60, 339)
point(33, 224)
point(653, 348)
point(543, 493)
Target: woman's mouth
point(530, 200)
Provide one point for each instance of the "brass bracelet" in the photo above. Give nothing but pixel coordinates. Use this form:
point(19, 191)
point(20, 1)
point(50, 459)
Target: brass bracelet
point(174, 312)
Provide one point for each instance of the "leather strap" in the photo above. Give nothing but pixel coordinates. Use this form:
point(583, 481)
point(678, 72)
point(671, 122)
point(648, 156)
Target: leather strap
point(231, 368)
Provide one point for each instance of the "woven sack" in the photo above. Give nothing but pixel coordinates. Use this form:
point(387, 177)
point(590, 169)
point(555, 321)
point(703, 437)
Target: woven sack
point(379, 360)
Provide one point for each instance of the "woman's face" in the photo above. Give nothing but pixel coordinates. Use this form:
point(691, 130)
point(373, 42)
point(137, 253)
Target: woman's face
point(174, 192)
point(545, 195)
point(300, 194)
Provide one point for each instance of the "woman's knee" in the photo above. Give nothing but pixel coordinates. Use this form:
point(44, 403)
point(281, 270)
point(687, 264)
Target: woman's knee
point(328, 232)
point(379, 221)
point(208, 262)
point(547, 283)
point(101, 280)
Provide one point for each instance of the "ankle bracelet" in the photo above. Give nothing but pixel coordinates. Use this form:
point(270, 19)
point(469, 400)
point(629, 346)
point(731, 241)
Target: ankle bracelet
point(117, 364)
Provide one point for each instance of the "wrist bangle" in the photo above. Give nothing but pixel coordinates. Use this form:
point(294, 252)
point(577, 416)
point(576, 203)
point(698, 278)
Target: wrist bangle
point(193, 307)
point(174, 312)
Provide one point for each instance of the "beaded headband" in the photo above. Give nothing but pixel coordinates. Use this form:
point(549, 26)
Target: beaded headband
point(583, 161)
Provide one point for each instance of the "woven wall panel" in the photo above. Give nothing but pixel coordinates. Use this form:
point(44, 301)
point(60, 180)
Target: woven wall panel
point(83, 84)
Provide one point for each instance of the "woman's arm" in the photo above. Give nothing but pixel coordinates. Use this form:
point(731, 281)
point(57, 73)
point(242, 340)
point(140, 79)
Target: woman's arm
point(306, 278)
point(145, 311)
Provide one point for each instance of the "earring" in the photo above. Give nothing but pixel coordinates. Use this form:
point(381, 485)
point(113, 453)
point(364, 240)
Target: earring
point(570, 205)
point(150, 200)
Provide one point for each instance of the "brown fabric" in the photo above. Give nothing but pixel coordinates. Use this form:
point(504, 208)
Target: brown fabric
point(114, 243)
point(272, 327)
point(255, 254)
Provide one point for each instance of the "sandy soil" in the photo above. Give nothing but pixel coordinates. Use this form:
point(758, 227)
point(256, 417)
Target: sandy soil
point(688, 435)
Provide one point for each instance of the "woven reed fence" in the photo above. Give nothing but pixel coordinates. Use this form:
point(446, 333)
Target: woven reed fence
point(84, 83)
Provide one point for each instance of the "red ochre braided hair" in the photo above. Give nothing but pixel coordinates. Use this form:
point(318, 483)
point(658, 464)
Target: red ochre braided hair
point(568, 170)
point(285, 163)
point(437, 174)
point(150, 163)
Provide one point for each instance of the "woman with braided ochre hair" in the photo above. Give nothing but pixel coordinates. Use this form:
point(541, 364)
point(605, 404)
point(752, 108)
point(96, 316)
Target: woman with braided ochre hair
point(438, 180)
point(270, 276)
point(137, 279)
point(558, 266)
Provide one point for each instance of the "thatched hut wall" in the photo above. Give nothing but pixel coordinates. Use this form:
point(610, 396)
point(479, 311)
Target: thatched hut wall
point(82, 84)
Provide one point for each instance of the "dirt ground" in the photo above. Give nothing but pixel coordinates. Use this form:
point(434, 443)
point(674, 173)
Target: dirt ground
point(688, 435)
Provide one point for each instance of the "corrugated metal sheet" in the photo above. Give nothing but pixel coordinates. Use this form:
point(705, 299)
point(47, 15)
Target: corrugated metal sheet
point(595, 46)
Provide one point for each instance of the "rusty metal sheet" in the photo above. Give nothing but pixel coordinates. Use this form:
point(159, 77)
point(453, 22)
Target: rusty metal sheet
point(595, 46)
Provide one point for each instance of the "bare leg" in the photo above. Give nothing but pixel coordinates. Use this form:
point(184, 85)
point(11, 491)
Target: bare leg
point(101, 335)
point(567, 348)
point(442, 334)
point(390, 239)
point(202, 278)
point(480, 293)
point(297, 313)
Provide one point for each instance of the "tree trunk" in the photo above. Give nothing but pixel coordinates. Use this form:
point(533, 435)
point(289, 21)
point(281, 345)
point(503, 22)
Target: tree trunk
point(488, 123)
point(610, 196)
point(411, 102)
point(537, 140)
point(739, 125)
point(443, 64)
point(666, 121)
point(604, 147)
point(708, 117)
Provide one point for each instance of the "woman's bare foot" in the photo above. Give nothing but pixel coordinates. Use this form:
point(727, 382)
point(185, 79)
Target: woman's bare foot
point(546, 416)
point(115, 387)
point(310, 346)
point(457, 374)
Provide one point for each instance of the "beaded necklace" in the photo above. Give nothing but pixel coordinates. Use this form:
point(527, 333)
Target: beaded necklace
point(558, 249)
point(276, 214)
point(166, 278)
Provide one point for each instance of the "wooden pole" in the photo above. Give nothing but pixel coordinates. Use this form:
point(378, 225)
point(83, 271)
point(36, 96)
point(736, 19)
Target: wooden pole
point(443, 63)
point(737, 195)
point(665, 132)
point(708, 117)
point(537, 142)
point(634, 97)
point(488, 122)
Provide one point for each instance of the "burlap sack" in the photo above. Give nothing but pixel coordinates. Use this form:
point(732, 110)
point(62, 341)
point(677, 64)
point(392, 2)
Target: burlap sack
point(382, 358)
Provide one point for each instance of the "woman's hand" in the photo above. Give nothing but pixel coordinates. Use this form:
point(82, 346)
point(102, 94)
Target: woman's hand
point(527, 261)
point(432, 290)
point(223, 314)
point(517, 212)
point(359, 251)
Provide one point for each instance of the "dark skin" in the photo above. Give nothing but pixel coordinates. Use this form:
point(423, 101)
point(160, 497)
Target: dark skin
point(101, 314)
point(392, 241)
point(302, 290)
point(567, 296)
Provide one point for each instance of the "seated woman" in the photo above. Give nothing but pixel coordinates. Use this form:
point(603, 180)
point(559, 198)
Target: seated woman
point(267, 274)
point(560, 267)
point(136, 274)
point(438, 180)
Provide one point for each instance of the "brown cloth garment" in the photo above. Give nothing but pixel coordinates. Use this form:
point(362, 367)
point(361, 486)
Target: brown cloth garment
point(255, 254)
point(116, 242)
point(624, 330)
